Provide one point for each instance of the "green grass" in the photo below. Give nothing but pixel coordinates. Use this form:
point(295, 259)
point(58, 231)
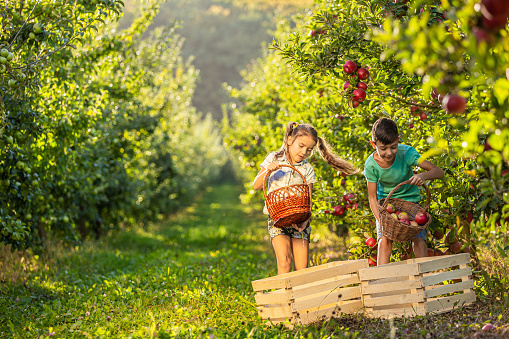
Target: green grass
point(187, 277)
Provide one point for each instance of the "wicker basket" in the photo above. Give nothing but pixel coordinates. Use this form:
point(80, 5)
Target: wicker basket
point(394, 229)
point(290, 204)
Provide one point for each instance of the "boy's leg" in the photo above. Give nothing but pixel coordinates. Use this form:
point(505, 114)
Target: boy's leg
point(300, 249)
point(283, 248)
point(419, 245)
point(384, 247)
point(384, 251)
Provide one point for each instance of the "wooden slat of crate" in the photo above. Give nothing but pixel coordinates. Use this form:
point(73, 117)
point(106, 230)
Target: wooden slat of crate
point(444, 262)
point(396, 312)
point(445, 304)
point(395, 299)
point(329, 286)
point(275, 312)
point(450, 288)
point(328, 311)
point(384, 271)
point(326, 273)
point(268, 284)
point(320, 299)
point(392, 286)
point(447, 275)
point(274, 297)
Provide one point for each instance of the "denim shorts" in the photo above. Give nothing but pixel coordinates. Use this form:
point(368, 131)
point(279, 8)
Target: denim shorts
point(289, 231)
point(421, 234)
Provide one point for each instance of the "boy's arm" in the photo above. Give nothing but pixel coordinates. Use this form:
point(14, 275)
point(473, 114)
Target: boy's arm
point(432, 172)
point(373, 199)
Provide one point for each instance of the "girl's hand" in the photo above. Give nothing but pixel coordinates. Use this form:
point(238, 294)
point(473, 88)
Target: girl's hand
point(417, 180)
point(273, 165)
point(300, 227)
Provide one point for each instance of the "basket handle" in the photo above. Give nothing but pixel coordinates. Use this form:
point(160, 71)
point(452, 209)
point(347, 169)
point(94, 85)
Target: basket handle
point(282, 165)
point(428, 195)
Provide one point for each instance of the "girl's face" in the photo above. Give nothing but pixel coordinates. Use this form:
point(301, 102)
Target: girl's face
point(300, 148)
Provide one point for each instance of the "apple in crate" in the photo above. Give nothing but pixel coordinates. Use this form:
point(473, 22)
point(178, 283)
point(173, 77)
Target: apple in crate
point(421, 218)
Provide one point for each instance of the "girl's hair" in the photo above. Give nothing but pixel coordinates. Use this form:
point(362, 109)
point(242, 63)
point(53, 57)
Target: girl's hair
point(385, 131)
point(296, 130)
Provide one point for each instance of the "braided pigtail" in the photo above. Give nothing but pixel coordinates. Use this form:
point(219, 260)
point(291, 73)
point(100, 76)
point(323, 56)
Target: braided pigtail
point(333, 160)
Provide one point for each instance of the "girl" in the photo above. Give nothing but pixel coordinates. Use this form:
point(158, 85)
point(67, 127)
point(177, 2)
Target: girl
point(298, 144)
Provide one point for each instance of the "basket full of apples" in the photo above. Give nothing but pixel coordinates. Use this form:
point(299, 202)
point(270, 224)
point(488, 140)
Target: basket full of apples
point(402, 220)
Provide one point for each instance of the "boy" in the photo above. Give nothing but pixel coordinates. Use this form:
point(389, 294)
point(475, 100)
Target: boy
point(391, 164)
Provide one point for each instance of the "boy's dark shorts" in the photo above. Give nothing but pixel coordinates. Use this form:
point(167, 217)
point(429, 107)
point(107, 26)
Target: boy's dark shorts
point(289, 231)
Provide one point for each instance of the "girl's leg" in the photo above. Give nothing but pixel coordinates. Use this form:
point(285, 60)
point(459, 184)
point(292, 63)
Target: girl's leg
point(420, 247)
point(300, 250)
point(283, 249)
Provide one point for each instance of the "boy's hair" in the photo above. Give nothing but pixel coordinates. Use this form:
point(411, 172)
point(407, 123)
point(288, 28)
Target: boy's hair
point(296, 130)
point(385, 131)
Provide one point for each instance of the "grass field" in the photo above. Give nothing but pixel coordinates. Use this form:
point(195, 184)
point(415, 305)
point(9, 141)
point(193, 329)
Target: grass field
point(187, 277)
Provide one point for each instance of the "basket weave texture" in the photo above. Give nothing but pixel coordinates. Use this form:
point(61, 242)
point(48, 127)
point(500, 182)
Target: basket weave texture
point(394, 229)
point(290, 204)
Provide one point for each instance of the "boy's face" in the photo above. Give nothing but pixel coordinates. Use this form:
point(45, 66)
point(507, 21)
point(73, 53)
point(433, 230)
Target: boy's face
point(386, 152)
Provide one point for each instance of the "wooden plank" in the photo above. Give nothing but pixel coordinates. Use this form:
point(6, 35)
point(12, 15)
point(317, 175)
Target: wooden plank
point(392, 286)
point(326, 298)
point(445, 304)
point(383, 271)
point(299, 292)
point(268, 284)
point(280, 297)
point(351, 267)
point(448, 275)
point(328, 312)
point(444, 262)
point(395, 299)
point(396, 313)
point(450, 288)
point(275, 312)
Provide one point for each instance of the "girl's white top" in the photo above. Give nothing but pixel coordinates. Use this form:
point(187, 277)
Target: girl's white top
point(285, 176)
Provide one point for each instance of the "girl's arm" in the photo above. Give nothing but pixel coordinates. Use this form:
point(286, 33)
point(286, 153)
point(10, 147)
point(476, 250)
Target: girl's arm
point(373, 199)
point(258, 182)
point(432, 172)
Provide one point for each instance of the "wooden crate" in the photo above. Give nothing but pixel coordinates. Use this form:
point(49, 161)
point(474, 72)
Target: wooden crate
point(312, 294)
point(417, 286)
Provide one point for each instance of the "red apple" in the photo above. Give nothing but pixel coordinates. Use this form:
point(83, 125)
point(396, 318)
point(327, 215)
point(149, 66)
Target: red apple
point(438, 234)
point(371, 242)
point(431, 253)
point(413, 109)
point(488, 327)
point(423, 116)
point(421, 218)
point(403, 216)
point(326, 212)
point(359, 94)
point(455, 247)
point(355, 103)
point(454, 103)
point(312, 33)
point(390, 208)
point(349, 66)
point(437, 252)
point(362, 85)
point(394, 215)
point(371, 262)
point(470, 217)
point(495, 23)
point(414, 223)
point(447, 252)
point(451, 236)
point(339, 210)
point(346, 85)
point(495, 7)
point(466, 249)
point(363, 73)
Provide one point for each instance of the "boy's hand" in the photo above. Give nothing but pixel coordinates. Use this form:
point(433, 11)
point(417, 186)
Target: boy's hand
point(300, 227)
point(417, 180)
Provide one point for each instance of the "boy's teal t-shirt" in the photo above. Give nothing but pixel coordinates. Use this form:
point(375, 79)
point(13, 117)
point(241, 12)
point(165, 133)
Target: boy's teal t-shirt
point(388, 178)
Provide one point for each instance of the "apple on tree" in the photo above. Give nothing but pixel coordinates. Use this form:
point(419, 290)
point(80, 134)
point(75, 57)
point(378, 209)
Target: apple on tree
point(371, 242)
point(349, 67)
point(454, 103)
point(363, 73)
